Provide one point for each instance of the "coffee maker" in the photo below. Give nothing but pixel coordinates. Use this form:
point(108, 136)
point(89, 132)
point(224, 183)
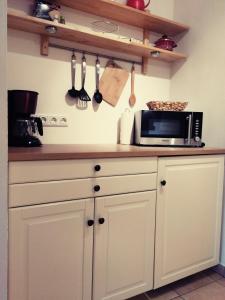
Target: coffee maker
point(23, 127)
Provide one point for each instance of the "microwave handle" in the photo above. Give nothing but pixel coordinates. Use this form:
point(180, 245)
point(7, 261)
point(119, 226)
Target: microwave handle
point(189, 129)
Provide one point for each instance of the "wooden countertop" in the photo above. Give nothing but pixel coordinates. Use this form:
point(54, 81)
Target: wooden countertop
point(55, 152)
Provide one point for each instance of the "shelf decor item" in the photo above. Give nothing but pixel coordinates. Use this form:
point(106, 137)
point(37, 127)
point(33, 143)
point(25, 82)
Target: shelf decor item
point(165, 43)
point(138, 4)
point(104, 26)
point(47, 10)
point(167, 105)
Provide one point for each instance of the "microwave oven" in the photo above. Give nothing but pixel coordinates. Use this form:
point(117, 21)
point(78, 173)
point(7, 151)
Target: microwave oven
point(168, 128)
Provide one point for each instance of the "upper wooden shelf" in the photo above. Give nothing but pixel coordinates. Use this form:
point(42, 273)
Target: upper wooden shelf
point(128, 15)
point(20, 21)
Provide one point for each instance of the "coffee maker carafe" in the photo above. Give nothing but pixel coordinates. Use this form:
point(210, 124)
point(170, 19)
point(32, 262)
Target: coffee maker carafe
point(23, 126)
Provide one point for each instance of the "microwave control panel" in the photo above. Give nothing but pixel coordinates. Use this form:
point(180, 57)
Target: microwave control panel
point(197, 126)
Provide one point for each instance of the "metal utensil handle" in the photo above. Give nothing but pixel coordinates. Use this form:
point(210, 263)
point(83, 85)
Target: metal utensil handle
point(73, 68)
point(39, 126)
point(97, 73)
point(33, 127)
point(189, 129)
point(83, 71)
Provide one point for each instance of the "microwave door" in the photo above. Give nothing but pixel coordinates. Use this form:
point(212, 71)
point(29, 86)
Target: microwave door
point(165, 128)
point(160, 124)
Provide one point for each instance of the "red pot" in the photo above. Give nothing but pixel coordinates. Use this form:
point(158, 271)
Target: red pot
point(165, 43)
point(138, 4)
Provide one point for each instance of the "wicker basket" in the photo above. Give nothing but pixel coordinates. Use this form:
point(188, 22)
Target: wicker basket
point(167, 105)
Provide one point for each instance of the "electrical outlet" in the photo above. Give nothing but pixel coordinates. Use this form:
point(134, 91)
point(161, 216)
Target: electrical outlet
point(62, 121)
point(53, 120)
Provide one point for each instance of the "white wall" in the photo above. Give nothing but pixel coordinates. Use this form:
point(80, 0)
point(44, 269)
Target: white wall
point(50, 76)
point(3, 155)
point(201, 79)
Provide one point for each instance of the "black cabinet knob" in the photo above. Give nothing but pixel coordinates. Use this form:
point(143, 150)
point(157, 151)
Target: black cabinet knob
point(101, 220)
point(90, 222)
point(97, 168)
point(163, 182)
point(97, 188)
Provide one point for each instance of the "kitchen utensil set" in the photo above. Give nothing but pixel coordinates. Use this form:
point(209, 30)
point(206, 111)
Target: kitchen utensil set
point(82, 95)
point(111, 85)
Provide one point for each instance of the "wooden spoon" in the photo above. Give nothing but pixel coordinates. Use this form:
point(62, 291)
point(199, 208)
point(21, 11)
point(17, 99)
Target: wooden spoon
point(132, 99)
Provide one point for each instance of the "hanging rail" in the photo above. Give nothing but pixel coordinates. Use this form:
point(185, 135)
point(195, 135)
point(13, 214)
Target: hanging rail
point(94, 54)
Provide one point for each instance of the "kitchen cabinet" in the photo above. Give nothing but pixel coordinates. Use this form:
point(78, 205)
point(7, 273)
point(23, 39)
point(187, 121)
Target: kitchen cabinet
point(188, 217)
point(124, 245)
point(52, 230)
point(50, 251)
point(145, 229)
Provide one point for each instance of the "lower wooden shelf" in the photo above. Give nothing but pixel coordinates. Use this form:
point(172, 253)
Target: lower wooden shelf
point(20, 21)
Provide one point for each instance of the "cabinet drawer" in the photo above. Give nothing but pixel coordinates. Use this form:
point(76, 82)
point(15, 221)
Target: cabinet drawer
point(34, 171)
point(48, 170)
point(125, 184)
point(53, 191)
point(126, 166)
point(46, 192)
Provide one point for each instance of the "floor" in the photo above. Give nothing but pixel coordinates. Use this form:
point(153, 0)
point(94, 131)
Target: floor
point(207, 285)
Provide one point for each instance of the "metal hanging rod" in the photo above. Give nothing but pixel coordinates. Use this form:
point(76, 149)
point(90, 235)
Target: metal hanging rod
point(94, 54)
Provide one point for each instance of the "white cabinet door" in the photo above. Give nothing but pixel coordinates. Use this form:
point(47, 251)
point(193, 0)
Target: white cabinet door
point(188, 218)
point(124, 245)
point(51, 251)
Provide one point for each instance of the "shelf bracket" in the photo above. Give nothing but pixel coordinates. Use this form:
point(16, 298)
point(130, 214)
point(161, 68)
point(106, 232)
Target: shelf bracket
point(145, 60)
point(44, 45)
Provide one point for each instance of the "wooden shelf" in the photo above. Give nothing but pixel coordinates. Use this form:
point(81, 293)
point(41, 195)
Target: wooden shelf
point(128, 15)
point(20, 21)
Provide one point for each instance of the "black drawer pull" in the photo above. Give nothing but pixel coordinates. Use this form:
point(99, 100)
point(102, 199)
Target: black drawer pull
point(97, 168)
point(90, 222)
point(163, 182)
point(101, 221)
point(97, 188)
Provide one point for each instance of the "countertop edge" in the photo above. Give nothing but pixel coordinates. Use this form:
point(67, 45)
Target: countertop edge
point(66, 152)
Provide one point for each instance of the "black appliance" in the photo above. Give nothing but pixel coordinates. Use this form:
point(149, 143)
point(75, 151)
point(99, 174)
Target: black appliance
point(23, 126)
point(168, 128)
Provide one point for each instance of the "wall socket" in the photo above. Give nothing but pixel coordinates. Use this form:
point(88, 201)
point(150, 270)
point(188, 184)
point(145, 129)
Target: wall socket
point(53, 120)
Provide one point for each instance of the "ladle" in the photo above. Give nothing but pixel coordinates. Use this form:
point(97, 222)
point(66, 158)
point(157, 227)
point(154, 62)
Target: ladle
point(73, 92)
point(97, 95)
